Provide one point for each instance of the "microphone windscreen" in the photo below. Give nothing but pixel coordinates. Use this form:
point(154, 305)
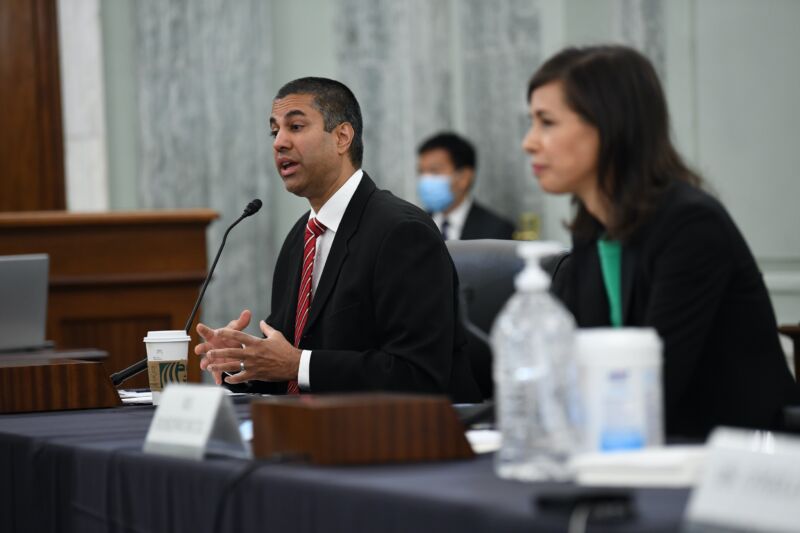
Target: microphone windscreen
point(252, 208)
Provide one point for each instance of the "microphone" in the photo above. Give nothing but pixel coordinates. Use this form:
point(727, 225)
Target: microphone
point(251, 209)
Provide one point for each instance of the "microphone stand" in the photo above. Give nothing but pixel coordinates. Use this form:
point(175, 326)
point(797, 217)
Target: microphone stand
point(140, 366)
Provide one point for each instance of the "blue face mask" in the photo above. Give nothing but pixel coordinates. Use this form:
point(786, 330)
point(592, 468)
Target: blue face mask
point(434, 192)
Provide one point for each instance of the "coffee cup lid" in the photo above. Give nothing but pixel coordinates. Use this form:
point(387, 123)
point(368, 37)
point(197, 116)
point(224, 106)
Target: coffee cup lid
point(171, 335)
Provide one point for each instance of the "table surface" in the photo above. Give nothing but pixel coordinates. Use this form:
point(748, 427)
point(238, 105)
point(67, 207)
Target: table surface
point(85, 471)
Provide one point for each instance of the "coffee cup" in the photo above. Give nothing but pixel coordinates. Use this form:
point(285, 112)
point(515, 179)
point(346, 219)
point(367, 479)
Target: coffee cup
point(167, 359)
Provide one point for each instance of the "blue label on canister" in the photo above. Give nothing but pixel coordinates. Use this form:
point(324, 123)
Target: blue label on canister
point(621, 439)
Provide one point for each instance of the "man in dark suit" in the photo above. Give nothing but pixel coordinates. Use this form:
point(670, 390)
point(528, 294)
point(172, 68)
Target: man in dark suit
point(446, 163)
point(364, 293)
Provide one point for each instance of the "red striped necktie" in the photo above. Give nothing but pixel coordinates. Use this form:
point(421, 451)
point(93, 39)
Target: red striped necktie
point(314, 229)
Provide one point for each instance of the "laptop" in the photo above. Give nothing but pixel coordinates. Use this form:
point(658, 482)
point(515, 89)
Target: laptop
point(23, 302)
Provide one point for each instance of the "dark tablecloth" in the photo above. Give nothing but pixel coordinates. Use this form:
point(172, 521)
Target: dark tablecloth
point(84, 471)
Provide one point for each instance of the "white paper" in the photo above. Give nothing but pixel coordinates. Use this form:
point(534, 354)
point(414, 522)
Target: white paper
point(484, 440)
point(132, 397)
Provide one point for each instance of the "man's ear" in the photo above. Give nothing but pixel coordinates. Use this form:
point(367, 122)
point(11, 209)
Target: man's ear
point(464, 178)
point(344, 137)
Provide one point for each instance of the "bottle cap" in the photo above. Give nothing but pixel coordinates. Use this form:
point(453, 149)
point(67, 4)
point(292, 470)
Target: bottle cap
point(533, 277)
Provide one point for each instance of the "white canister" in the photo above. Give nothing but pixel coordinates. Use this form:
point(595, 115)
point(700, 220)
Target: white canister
point(621, 387)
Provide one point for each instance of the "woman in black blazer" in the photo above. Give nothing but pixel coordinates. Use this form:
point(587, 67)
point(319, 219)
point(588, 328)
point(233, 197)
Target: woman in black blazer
point(650, 248)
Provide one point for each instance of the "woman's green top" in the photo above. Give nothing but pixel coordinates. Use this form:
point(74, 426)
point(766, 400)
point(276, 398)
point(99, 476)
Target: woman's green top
point(611, 262)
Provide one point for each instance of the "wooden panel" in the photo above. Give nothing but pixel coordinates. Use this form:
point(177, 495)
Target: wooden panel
point(54, 385)
point(31, 137)
point(120, 337)
point(115, 276)
point(161, 243)
point(358, 428)
point(120, 332)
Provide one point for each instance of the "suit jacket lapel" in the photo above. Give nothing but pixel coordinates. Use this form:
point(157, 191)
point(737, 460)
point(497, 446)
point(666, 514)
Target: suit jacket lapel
point(590, 299)
point(339, 250)
point(470, 223)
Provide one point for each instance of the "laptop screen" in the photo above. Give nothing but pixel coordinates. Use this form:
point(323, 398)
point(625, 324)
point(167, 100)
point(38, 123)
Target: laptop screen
point(23, 301)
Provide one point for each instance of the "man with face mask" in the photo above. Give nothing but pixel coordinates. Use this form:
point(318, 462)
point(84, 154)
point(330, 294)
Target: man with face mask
point(446, 165)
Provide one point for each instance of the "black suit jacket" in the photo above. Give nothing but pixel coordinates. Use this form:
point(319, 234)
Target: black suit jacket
point(384, 316)
point(483, 224)
point(689, 274)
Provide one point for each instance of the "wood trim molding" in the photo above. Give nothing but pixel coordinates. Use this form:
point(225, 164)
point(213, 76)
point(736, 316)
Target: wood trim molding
point(125, 280)
point(107, 218)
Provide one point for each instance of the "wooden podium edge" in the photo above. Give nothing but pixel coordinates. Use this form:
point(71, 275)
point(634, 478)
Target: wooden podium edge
point(55, 385)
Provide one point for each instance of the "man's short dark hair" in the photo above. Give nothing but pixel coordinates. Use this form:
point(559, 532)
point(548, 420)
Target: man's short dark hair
point(337, 104)
point(461, 151)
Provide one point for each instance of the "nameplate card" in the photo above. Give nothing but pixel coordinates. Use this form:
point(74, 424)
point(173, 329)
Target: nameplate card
point(194, 420)
point(750, 482)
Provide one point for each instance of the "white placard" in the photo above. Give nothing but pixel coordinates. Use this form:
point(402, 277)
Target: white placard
point(192, 420)
point(750, 482)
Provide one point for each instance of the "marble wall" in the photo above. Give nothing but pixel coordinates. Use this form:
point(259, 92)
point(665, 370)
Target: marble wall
point(83, 105)
point(642, 24)
point(395, 57)
point(206, 71)
point(422, 66)
point(204, 81)
point(501, 43)
point(204, 98)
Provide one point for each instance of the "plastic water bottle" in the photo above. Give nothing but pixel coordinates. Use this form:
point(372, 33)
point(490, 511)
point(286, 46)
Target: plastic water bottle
point(536, 377)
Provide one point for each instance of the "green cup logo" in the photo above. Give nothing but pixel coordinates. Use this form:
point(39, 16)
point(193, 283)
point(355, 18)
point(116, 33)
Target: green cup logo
point(163, 372)
point(172, 371)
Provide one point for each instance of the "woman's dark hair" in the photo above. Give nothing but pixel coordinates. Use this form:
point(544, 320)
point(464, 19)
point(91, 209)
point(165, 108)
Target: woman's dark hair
point(616, 90)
